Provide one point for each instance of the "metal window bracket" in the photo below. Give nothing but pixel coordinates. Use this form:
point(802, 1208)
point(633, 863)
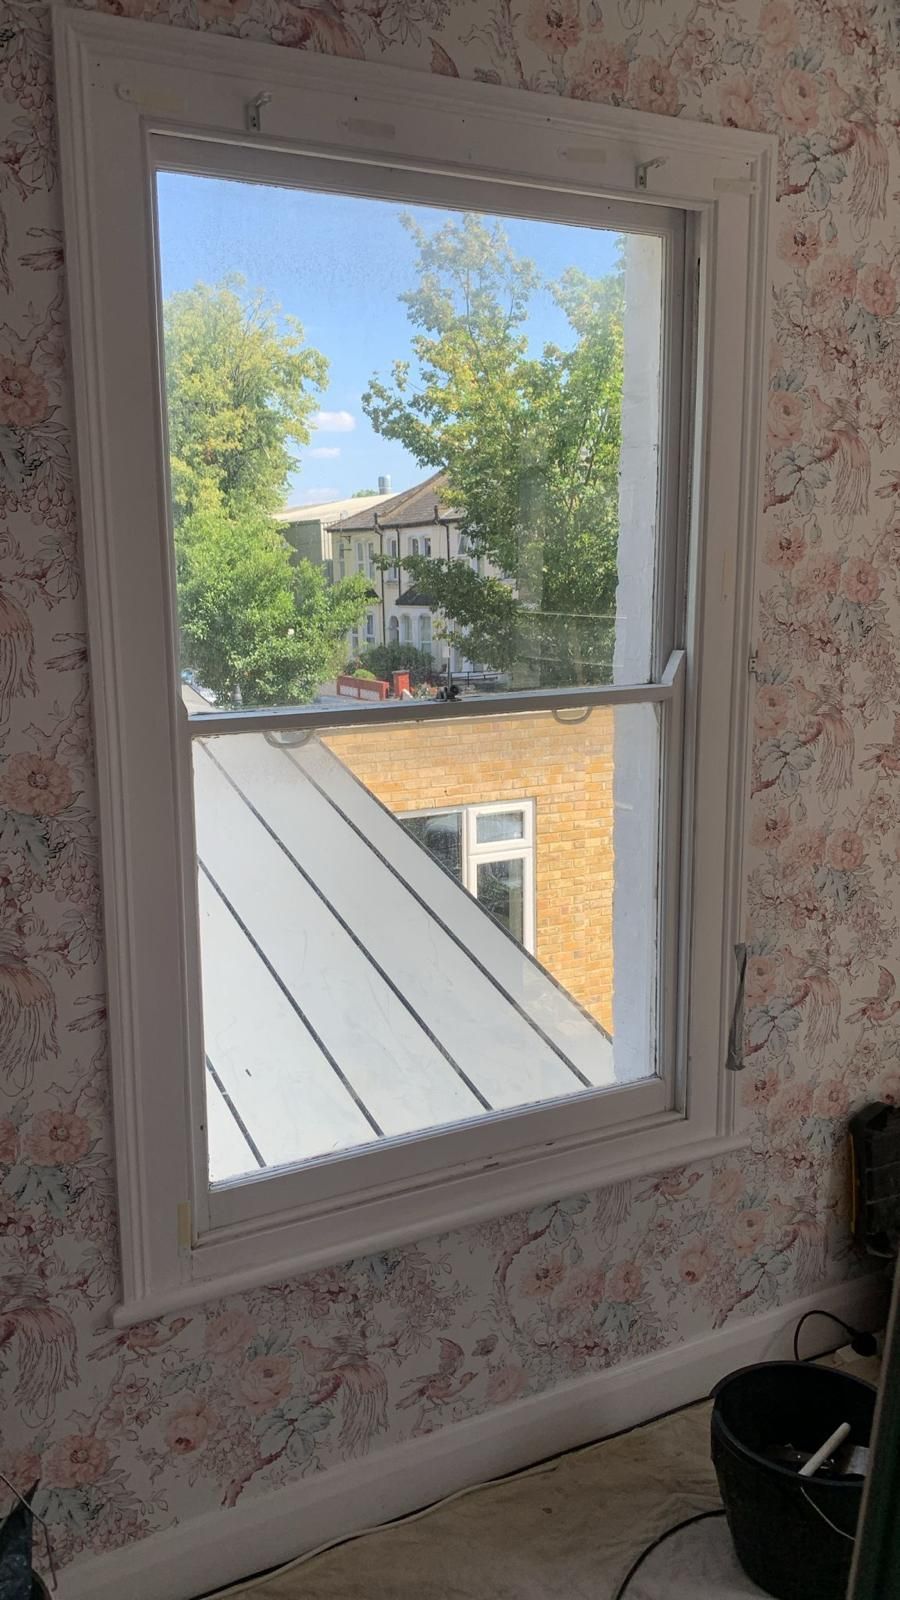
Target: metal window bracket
point(643, 167)
point(253, 112)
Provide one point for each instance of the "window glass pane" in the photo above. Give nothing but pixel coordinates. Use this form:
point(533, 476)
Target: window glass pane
point(499, 825)
point(441, 836)
point(481, 389)
point(501, 890)
point(354, 991)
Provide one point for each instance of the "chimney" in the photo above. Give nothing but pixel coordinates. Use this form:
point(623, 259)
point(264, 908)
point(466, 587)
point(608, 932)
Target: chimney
point(384, 484)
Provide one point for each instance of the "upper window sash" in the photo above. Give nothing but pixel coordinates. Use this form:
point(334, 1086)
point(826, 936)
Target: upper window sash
point(412, 181)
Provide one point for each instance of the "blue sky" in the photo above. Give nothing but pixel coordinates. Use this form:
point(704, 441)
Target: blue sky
point(339, 264)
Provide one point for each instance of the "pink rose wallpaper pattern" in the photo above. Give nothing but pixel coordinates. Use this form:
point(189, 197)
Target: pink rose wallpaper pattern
point(133, 1431)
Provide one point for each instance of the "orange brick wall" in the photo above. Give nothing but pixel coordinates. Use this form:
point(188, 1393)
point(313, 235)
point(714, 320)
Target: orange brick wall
point(567, 770)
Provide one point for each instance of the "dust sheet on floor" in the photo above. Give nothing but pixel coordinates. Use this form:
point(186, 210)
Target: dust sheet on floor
point(565, 1530)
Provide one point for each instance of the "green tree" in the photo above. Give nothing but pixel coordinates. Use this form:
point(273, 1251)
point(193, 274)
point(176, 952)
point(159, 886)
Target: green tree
point(242, 386)
point(530, 444)
point(257, 628)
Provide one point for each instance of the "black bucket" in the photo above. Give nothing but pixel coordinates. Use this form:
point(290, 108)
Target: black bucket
point(782, 1538)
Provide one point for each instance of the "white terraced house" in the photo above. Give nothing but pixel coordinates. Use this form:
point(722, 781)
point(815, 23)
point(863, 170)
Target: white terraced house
point(418, 522)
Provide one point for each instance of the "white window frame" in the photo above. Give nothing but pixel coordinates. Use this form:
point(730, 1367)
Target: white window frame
point(123, 88)
point(370, 627)
point(475, 854)
point(466, 553)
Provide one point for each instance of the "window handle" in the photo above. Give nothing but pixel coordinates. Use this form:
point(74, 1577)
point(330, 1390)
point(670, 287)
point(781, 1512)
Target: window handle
point(734, 1061)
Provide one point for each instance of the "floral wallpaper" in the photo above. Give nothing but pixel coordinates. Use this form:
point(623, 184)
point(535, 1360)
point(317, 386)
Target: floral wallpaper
point(130, 1432)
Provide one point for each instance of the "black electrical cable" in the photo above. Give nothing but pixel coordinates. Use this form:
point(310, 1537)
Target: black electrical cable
point(699, 1516)
point(863, 1344)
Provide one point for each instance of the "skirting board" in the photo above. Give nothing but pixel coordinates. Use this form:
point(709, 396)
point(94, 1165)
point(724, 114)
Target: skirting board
point(222, 1547)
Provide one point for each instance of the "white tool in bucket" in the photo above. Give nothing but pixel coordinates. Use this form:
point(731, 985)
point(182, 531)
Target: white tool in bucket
point(825, 1450)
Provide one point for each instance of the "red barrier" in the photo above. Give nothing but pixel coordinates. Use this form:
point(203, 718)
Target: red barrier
point(363, 688)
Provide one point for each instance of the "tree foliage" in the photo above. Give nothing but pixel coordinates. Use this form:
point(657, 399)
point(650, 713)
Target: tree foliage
point(383, 659)
point(530, 444)
point(242, 389)
point(256, 627)
point(242, 385)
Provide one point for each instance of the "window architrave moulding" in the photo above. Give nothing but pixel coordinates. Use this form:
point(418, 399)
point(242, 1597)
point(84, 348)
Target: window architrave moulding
point(156, 95)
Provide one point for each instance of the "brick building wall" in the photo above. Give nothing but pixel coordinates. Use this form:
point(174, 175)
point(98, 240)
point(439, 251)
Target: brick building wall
point(567, 770)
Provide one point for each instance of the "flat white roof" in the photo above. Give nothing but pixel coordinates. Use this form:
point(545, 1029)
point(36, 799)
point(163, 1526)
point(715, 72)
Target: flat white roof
point(352, 989)
point(332, 510)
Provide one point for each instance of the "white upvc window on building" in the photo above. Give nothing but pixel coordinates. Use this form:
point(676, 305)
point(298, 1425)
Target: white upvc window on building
point(393, 571)
point(393, 631)
point(323, 1041)
point(467, 552)
point(490, 850)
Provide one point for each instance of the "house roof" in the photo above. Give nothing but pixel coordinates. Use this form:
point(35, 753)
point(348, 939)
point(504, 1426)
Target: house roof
point(332, 512)
point(335, 1018)
point(413, 507)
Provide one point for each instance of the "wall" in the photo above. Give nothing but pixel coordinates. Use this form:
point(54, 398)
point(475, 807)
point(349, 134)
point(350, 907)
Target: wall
point(133, 1431)
point(309, 540)
point(568, 772)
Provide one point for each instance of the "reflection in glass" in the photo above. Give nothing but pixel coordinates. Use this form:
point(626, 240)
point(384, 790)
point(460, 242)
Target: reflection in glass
point(497, 825)
point(500, 889)
point(441, 836)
